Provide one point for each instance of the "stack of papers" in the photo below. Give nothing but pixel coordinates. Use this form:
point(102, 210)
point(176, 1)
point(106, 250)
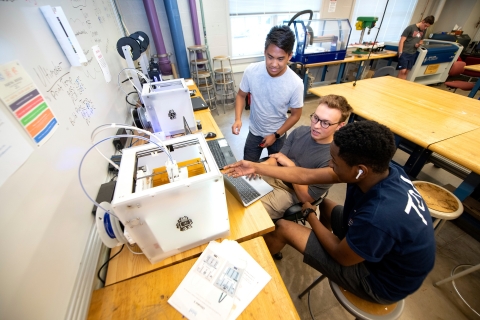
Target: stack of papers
point(221, 284)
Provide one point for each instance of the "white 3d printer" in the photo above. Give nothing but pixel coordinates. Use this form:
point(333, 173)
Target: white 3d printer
point(167, 103)
point(166, 206)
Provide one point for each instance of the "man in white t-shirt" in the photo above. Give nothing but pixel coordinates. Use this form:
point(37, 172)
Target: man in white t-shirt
point(274, 88)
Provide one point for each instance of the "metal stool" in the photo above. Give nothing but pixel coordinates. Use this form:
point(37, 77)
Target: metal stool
point(443, 204)
point(200, 69)
point(361, 309)
point(224, 81)
point(206, 86)
point(458, 275)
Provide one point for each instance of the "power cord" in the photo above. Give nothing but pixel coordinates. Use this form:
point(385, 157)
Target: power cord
point(106, 262)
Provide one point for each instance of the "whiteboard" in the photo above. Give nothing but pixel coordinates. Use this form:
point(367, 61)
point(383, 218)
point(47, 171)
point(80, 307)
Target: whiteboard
point(45, 217)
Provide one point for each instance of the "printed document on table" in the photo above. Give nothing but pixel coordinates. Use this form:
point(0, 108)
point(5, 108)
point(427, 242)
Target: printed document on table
point(221, 284)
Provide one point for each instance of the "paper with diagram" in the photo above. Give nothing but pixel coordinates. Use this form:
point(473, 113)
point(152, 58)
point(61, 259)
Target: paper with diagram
point(221, 284)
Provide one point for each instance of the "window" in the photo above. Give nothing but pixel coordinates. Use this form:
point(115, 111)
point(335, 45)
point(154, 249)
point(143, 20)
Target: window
point(251, 20)
point(397, 18)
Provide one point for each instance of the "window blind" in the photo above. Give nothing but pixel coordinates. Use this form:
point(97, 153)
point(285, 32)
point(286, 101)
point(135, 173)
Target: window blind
point(397, 18)
point(242, 7)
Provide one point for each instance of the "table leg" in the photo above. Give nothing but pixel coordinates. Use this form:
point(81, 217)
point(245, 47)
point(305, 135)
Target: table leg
point(359, 71)
point(467, 186)
point(474, 89)
point(340, 72)
point(305, 83)
point(324, 72)
point(416, 161)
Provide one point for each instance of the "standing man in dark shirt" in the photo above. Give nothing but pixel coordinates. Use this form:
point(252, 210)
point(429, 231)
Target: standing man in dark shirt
point(411, 39)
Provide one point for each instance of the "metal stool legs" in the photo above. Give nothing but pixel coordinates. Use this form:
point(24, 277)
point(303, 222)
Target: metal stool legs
point(310, 287)
point(458, 275)
point(201, 71)
point(224, 81)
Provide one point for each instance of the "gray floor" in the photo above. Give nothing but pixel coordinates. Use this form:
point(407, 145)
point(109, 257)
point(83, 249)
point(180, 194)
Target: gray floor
point(454, 247)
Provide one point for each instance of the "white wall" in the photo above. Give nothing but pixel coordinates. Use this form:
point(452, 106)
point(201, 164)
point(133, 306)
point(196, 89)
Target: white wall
point(45, 217)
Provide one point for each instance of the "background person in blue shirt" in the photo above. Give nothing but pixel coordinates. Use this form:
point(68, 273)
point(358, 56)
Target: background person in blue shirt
point(382, 246)
point(274, 88)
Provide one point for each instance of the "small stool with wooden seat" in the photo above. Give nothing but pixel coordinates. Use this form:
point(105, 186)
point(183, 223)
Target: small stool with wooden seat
point(201, 71)
point(360, 308)
point(443, 204)
point(224, 81)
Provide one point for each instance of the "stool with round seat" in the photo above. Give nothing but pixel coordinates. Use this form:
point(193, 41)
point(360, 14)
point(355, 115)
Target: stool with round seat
point(201, 71)
point(224, 80)
point(443, 204)
point(360, 308)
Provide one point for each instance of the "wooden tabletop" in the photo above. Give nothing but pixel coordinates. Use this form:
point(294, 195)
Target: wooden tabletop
point(146, 297)
point(355, 58)
point(421, 114)
point(463, 149)
point(208, 123)
point(245, 224)
point(473, 67)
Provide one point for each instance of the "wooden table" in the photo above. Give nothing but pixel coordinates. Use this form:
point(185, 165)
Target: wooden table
point(474, 67)
point(464, 150)
point(353, 58)
point(419, 114)
point(208, 123)
point(146, 297)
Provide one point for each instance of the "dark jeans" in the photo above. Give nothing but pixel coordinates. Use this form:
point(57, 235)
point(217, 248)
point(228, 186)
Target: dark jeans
point(252, 151)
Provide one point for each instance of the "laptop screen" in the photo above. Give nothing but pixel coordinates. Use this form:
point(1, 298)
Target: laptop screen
point(187, 128)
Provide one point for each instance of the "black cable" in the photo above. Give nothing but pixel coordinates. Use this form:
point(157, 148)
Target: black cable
point(126, 98)
point(106, 262)
point(127, 79)
point(310, 309)
point(370, 52)
point(132, 143)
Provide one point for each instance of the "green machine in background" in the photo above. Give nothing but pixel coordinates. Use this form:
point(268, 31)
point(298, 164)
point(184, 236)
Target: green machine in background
point(362, 24)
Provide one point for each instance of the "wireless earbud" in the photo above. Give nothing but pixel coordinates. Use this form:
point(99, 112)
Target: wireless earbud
point(359, 173)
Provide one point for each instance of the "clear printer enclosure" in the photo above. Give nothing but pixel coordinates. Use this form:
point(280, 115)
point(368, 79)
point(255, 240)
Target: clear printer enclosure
point(320, 40)
point(170, 218)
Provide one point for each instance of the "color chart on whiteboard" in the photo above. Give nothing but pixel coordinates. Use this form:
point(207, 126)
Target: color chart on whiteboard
point(22, 97)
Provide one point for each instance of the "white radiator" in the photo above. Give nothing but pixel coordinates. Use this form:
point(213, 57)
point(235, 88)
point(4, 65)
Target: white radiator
point(83, 287)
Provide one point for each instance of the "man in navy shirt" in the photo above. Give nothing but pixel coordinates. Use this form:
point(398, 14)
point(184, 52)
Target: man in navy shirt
point(382, 246)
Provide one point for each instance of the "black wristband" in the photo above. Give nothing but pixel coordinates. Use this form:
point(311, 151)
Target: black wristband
point(277, 136)
point(306, 213)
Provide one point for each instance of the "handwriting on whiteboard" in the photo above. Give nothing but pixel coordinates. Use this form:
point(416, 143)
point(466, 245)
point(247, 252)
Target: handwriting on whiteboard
point(62, 85)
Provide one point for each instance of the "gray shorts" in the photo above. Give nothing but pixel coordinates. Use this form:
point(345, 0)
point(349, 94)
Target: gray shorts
point(352, 278)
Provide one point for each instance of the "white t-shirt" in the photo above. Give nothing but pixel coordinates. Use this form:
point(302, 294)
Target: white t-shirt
point(270, 97)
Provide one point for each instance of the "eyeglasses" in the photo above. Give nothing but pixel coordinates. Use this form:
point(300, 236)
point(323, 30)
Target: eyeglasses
point(323, 123)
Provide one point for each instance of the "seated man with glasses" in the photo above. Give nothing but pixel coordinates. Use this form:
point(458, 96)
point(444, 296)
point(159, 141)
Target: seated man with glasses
point(307, 147)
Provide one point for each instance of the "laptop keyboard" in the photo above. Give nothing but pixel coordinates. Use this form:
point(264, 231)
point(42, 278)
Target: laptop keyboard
point(246, 191)
point(217, 153)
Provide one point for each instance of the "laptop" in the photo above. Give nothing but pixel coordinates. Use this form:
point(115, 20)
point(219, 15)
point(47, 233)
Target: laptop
point(198, 103)
point(246, 191)
point(186, 127)
point(222, 153)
